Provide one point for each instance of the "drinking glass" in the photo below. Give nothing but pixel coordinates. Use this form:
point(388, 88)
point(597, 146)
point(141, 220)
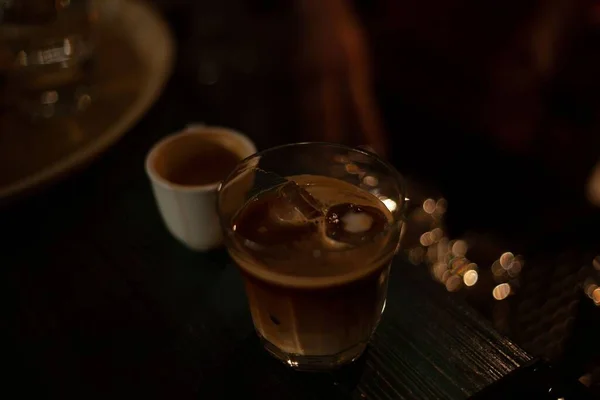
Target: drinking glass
point(323, 321)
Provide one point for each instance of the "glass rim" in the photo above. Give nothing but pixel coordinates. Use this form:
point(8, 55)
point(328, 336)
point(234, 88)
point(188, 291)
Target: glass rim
point(310, 282)
point(397, 175)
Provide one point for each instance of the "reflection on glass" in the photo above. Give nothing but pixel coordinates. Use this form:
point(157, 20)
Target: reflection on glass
point(371, 181)
point(352, 169)
point(389, 203)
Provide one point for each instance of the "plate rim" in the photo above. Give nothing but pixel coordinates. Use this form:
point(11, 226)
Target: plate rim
point(86, 154)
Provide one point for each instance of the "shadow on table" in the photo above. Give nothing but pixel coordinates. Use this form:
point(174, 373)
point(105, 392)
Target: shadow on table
point(252, 370)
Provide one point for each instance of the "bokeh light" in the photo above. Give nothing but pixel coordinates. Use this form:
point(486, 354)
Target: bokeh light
point(429, 206)
point(453, 283)
point(445, 276)
point(438, 270)
point(441, 206)
point(596, 295)
point(501, 291)
point(515, 267)
point(426, 239)
point(497, 269)
point(460, 265)
point(437, 234)
point(589, 286)
point(470, 278)
point(352, 169)
point(459, 248)
point(506, 260)
point(370, 180)
point(447, 259)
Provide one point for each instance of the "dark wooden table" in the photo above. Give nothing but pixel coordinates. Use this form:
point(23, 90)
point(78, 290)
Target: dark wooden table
point(102, 302)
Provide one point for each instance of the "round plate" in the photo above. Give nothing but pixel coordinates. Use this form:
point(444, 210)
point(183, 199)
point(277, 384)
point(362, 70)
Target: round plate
point(133, 59)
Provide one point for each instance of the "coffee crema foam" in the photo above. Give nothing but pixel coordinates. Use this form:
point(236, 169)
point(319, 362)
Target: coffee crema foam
point(313, 228)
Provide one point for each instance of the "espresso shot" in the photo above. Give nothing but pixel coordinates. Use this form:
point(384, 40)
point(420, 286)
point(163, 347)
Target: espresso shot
point(197, 160)
point(211, 164)
point(185, 170)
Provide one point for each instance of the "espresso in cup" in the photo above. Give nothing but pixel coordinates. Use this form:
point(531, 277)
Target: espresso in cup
point(185, 170)
point(209, 163)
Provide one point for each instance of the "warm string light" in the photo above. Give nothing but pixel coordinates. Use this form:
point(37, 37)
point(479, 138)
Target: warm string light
point(446, 258)
point(448, 261)
point(449, 265)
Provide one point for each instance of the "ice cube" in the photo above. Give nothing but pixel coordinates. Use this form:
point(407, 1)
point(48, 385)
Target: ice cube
point(295, 205)
point(352, 224)
point(283, 216)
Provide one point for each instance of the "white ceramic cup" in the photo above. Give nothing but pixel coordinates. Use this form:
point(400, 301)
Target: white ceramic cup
point(189, 212)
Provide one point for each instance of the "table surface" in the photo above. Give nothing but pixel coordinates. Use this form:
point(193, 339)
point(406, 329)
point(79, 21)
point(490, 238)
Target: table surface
point(101, 301)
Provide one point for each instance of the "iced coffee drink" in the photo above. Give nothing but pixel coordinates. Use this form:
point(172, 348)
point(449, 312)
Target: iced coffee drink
point(315, 252)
